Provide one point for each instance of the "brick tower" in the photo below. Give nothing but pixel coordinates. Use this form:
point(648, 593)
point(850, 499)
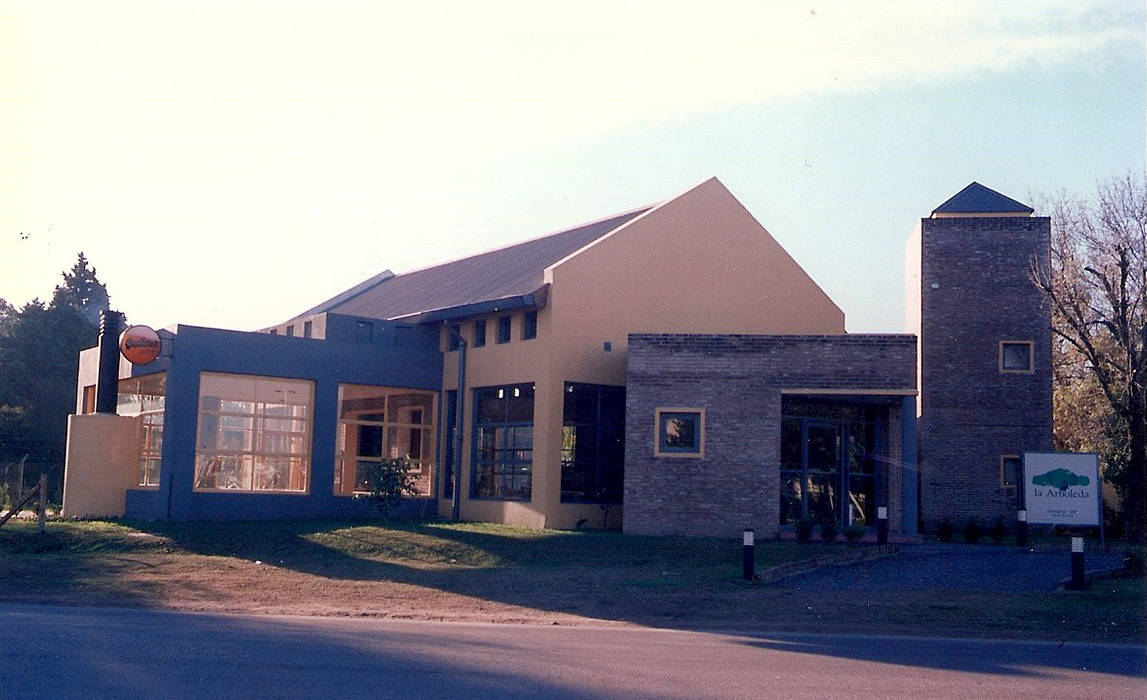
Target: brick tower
point(985, 353)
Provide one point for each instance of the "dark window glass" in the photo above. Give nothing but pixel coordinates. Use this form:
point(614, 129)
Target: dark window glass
point(274, 331)
point(503, 329)
point(503, 442)
point(479, 332)
point(680, 432)
point(1016, 357)
point(448, 448)
point(452, 334)
point(593, 443)
point(530, 325)
point(290, 331)
point(308, 328)
point(1010, 470)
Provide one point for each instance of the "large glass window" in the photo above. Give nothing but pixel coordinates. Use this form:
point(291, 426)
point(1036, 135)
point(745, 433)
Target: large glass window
point(144, 397)
point(593, 443)
point(504, 442)
point(254, 433)
point(377, 423)
point(829, 461)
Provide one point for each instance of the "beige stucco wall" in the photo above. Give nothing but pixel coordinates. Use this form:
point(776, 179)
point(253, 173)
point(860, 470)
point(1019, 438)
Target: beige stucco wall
point(699, 263)
point(102, 463)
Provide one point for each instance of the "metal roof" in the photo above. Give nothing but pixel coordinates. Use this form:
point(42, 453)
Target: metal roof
point(977, 199)
point(507, 273)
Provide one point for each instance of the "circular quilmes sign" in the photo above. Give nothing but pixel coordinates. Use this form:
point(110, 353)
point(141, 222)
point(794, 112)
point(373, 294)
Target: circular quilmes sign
point(139, 344)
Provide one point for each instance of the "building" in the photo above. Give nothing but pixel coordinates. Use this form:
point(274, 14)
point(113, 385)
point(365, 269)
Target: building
point(985, 352)
point(667, 369)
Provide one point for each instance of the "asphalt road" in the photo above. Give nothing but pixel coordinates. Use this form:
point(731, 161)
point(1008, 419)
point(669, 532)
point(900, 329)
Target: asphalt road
point(59, 652)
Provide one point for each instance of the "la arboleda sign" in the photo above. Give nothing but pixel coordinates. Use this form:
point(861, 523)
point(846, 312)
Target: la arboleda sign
point(1062, 488)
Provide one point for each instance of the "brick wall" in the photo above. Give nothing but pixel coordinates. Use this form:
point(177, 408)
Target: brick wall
point(738, 381)
point(975, 292)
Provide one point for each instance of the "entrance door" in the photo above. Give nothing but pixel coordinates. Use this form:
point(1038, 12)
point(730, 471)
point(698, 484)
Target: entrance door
point(823, 442)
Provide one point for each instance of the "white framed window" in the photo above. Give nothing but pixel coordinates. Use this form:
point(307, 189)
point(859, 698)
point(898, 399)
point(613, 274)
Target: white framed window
point(679, 432)
point(1017, 357)
point(254, 433)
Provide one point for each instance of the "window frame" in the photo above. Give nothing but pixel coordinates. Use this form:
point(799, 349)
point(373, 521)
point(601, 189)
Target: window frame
point(258, 434)
point(480, 333)
point(1004, 472)
point(660, 443)
point(597, 462)
point(1029, 344)
point(426, 428)
point(151, 416)
point(515, 464)
point(530, 324)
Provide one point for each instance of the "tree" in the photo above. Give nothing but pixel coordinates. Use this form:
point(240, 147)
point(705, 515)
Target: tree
point(1095, 287)
point(82, 291)
point(39, 360)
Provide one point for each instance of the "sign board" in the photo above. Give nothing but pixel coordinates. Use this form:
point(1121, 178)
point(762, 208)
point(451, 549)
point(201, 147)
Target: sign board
point(139, 344)
point(1062, 488)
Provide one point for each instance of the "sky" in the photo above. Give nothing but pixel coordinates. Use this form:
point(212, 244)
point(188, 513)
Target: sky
point(231, 164)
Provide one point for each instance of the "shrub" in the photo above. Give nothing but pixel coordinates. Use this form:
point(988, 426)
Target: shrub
point(390, 481)
point(828, 531)
point(853, 533)
point(998, 531)
point(804, 529)
point(973, 531)
point(944, 531)
point(1134, 563)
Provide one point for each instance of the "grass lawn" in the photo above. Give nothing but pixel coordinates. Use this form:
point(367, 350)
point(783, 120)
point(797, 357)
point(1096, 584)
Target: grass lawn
point(478, 572)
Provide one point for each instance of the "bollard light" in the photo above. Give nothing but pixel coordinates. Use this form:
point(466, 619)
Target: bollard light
point(747, 547)
point(882, 525)
point(1022, 528)
point(1078, 581)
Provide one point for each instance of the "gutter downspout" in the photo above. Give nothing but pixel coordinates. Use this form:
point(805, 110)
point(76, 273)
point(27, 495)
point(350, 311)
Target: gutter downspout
point(459, 404)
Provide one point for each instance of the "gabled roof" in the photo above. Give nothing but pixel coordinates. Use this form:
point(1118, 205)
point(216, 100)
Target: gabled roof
point(977, 199)
point(474, 284)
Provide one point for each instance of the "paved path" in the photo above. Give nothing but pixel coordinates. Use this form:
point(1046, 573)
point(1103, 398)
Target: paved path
point(952, 566)
point(120, 653)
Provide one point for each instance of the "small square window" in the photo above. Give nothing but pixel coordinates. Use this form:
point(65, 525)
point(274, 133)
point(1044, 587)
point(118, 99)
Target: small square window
point(680, 432)
point(479, 332)
point(1011, 470)
point(530, 325)
point(1016, 356)
point(503, 329)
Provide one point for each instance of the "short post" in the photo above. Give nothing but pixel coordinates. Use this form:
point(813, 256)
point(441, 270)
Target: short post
point(1022, 528)
point(747, 554)
point(1078, 583)
point(43, 501)
point(882, 525)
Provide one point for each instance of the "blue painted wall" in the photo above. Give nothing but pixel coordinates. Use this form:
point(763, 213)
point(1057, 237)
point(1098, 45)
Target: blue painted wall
point(398, 355)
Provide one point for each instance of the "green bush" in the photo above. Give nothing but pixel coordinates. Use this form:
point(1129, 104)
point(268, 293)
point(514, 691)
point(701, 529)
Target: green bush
point(804, 528)
point(390, 481)
point(973, 531)
point(998, 531)
point(945, 530)
point(853, 533)
point(828, 531)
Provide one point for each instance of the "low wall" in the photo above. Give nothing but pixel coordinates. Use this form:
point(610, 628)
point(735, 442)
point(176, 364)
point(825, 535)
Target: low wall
point(102, 463)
